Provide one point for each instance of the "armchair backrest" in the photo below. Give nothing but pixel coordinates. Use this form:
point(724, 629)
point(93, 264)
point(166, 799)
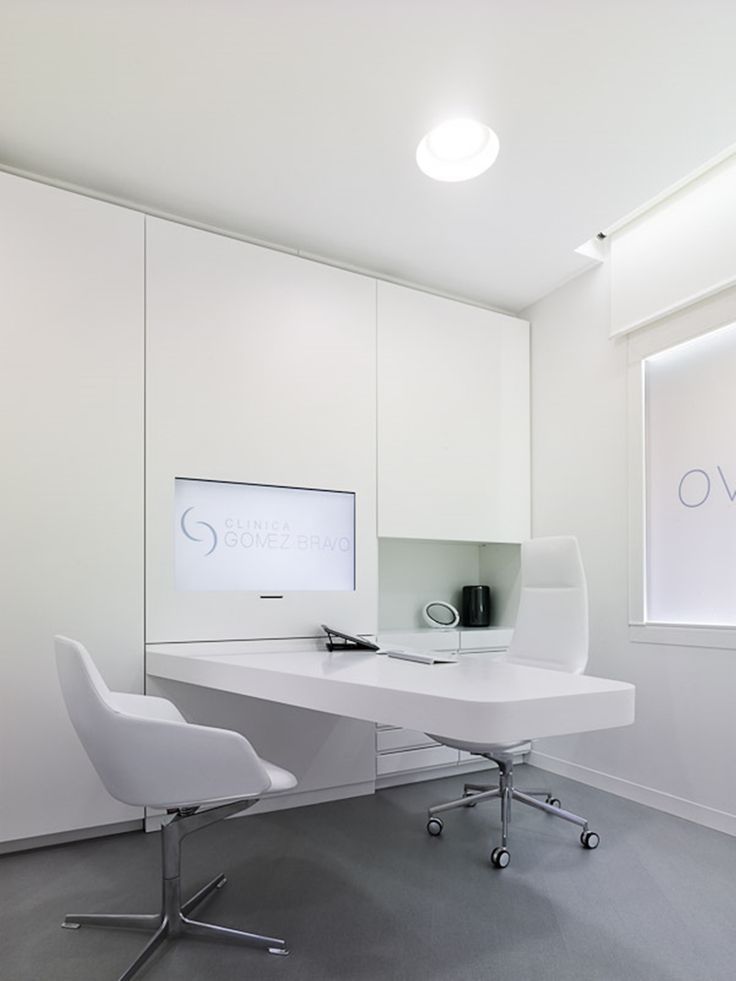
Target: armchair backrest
point(150, 757)
point(552, 623)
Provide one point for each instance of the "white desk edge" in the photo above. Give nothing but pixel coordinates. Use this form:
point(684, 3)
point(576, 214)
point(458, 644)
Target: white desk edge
point(478, 699)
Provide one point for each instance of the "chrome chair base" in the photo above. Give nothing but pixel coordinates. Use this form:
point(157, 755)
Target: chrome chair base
point(174, 921)
point(506, 792)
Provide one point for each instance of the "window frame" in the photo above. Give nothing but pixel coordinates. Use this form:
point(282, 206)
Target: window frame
point(695, 321)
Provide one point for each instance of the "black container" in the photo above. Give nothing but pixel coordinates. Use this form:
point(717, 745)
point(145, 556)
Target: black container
point(476, 606)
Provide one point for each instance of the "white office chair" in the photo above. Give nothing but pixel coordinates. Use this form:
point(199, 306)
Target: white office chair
point(551, 632)
point(147, 754)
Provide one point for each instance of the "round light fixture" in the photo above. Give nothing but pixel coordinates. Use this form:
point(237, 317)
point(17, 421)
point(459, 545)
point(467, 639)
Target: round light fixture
point(457, 150)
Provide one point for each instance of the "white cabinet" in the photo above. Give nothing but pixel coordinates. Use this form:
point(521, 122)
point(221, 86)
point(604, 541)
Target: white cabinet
point(453, 420)
point(260, 369)
point(468, 639)
point(431, 639)
point(388, 764)
point(485, 638)
point(392, 740)
point(71, 430)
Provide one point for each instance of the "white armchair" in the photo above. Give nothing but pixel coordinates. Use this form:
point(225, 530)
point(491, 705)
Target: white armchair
point(147, 754)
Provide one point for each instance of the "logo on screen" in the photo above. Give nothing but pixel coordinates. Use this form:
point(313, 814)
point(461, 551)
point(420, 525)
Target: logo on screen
point(209, 537)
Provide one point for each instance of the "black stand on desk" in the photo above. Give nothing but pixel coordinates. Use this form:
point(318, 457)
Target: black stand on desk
point(338, 641)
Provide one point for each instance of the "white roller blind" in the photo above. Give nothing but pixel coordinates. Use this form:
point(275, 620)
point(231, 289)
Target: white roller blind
point(682, 250)
point(690, 444)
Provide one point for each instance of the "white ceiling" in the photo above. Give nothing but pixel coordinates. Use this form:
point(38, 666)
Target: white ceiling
point(296, 121)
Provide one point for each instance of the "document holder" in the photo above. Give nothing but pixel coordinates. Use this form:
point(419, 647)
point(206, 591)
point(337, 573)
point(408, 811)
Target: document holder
point(339, 641)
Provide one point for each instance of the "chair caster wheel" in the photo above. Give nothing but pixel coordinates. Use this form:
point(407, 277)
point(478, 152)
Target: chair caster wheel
point(554, 801)
point(590, 839)
point(500, 858)
point(470, 802)
point(434, 827)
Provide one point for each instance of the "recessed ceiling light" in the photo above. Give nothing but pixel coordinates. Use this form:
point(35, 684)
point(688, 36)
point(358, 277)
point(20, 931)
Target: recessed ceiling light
point(457, 150)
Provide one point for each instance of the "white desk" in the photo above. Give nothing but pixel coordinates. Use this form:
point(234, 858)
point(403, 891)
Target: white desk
point(479, 699)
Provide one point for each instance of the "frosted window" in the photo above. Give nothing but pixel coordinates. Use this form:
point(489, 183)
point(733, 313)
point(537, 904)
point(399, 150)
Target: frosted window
point(690, 440)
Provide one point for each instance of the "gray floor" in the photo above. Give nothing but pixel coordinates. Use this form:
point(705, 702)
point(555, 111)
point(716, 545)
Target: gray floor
point(360, 891)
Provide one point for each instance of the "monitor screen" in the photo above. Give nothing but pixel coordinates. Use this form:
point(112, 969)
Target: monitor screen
point(262, 538)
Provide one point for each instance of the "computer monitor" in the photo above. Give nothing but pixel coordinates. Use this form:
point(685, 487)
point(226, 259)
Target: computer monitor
point(262, 537)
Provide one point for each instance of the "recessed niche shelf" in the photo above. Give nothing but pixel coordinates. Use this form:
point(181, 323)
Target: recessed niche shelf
point(412, 572)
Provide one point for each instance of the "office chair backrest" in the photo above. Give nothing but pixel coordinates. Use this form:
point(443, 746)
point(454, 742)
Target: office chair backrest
point(552, 623)
point(142, 748)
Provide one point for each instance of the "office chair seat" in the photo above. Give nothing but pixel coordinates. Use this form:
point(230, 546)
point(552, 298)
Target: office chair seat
point(551, 631)
point(147, 754)
point(481, 749)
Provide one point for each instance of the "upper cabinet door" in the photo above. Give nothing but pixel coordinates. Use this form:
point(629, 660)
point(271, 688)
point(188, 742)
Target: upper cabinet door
point(453, 420)
point(260, 369)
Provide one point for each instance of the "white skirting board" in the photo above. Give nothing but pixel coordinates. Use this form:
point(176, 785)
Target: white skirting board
point(690, 810)
point(66, 837)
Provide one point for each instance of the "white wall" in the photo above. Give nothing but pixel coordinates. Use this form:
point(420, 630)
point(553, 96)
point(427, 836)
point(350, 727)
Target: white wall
point(676, 253)
point(679, 752)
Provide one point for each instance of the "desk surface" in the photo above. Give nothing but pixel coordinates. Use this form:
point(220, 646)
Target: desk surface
point(480, 698)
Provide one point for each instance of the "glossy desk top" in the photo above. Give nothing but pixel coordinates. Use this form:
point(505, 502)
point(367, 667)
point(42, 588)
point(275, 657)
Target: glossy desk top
point(481, 698)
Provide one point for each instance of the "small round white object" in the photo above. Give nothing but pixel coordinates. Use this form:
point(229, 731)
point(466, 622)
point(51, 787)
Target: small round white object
point(438, 613)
